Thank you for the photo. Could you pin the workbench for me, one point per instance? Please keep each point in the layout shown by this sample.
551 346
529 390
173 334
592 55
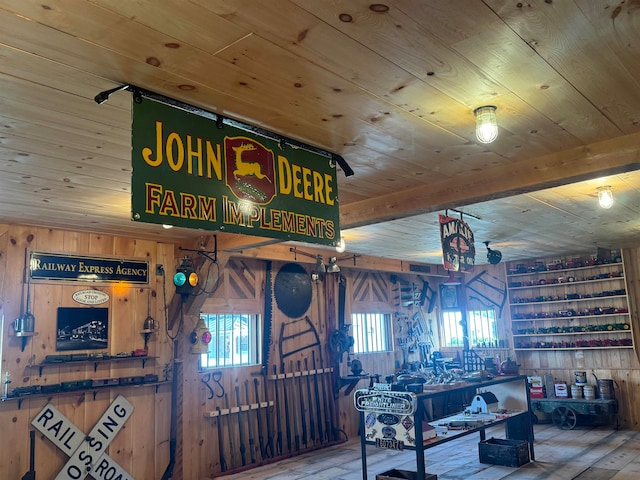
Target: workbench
511 391
565 411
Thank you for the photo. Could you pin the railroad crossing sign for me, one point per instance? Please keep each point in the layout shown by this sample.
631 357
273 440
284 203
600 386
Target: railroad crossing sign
86 452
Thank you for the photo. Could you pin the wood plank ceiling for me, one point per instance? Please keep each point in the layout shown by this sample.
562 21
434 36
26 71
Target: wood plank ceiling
391 87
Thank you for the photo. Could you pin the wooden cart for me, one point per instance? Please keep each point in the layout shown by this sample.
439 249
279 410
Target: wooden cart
565 411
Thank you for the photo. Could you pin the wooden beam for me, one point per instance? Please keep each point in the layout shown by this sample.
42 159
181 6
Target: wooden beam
604 158
282 252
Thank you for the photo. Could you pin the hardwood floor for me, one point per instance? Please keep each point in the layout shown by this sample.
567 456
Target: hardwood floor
584 453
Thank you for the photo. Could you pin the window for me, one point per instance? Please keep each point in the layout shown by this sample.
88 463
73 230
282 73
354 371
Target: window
371 332
482 328
235 339
451 328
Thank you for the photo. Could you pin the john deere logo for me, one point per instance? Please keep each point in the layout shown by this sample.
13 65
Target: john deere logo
250 169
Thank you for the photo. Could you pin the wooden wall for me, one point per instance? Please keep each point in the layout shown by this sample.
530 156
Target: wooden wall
143 447
146 434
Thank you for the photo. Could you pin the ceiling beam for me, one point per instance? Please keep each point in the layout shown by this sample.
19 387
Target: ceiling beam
604 158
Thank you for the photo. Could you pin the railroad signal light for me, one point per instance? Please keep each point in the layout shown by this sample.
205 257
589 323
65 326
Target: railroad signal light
200 338
186 278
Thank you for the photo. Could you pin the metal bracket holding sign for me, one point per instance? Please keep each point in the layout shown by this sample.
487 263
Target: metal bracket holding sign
86 452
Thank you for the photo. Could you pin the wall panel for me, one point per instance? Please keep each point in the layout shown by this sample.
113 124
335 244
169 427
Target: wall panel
146 432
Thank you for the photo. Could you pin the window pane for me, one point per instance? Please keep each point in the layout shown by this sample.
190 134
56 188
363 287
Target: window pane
371 332
235 339
483 328
451 329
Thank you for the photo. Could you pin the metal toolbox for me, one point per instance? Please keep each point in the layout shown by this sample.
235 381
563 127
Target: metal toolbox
509 453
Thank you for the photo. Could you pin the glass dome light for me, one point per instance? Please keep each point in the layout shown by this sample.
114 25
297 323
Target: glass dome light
486 123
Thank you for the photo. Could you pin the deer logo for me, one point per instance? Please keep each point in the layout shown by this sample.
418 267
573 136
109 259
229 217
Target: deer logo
245 169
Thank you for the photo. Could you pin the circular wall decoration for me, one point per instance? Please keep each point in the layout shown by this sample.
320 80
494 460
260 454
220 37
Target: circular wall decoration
292 290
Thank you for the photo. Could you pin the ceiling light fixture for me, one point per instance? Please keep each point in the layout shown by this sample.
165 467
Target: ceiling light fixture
486 123
605 196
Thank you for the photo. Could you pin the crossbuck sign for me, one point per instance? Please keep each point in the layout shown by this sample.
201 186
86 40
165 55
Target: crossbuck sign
86 452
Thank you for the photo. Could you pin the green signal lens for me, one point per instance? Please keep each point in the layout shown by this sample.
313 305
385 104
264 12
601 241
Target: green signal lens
179 279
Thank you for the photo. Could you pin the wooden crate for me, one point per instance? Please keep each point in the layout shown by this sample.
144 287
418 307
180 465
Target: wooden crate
509 453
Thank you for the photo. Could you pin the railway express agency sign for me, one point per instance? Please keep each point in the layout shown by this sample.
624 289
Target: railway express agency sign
86 452
190 171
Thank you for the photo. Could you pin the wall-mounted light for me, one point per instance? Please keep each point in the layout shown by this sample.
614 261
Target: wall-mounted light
486 123
333 265
341 247
605 196
493 256
318 270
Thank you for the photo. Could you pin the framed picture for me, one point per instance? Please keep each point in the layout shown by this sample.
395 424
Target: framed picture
82 328
449 297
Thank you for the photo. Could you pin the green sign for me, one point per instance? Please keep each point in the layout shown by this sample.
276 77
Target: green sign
188 172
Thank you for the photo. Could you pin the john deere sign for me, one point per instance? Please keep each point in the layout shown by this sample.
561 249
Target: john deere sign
190 173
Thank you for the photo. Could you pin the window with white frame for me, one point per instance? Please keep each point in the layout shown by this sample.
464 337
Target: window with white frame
482 328
235 340
371 332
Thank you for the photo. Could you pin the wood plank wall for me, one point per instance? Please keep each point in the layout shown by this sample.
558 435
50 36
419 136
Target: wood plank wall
142 448
148 428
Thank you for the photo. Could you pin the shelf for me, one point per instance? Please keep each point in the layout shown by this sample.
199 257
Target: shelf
561 284
24 336
95 361
573 269
242 408
569 333
591 284
584 299
493 349
533 349
95 391
575 317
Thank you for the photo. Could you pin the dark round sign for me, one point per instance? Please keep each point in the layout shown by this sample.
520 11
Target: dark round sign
292 290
